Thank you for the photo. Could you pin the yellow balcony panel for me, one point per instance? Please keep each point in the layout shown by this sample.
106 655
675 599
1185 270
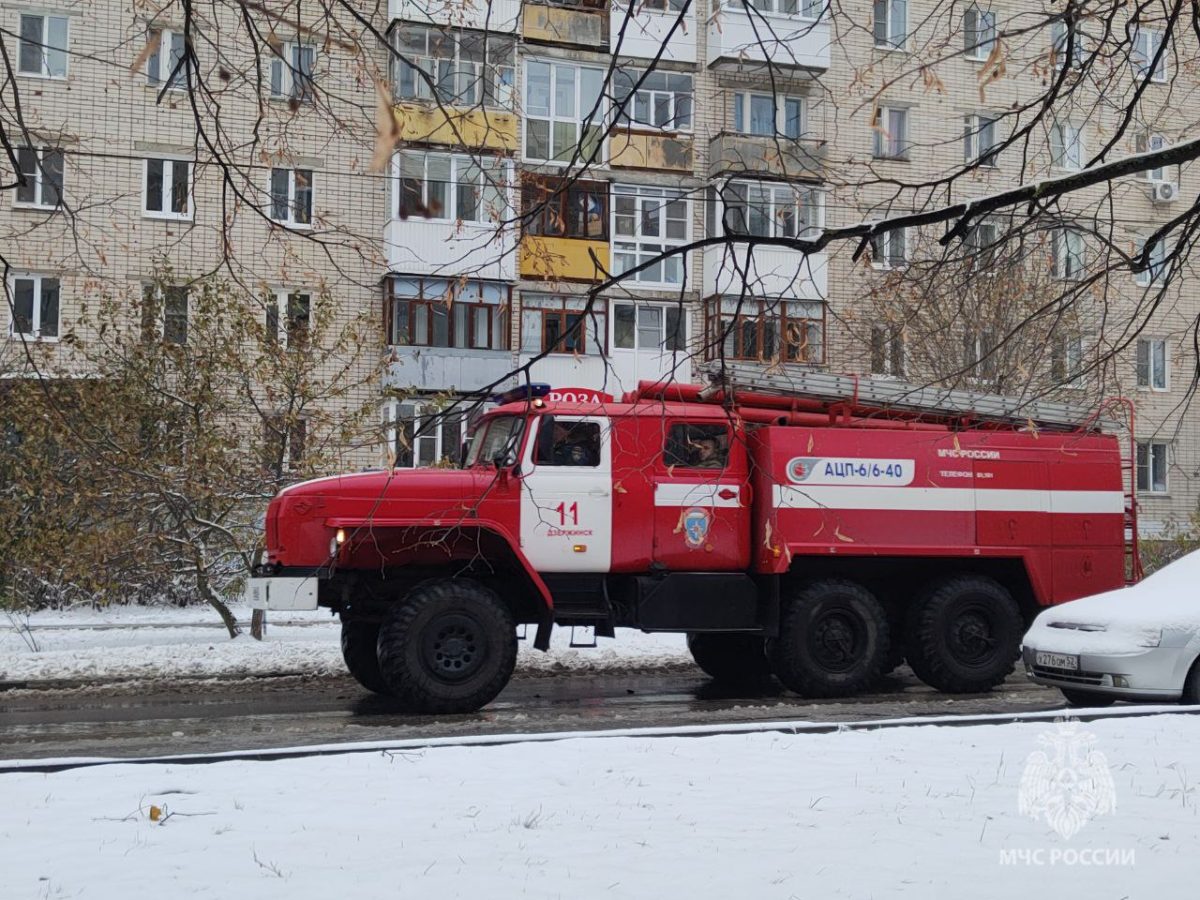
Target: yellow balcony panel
639 150
566 259
557 25
476 128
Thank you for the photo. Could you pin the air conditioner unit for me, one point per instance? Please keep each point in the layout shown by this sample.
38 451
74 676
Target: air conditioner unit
1164 192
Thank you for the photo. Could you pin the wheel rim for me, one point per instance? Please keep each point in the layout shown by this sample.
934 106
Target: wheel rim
971 634
837 639
453 647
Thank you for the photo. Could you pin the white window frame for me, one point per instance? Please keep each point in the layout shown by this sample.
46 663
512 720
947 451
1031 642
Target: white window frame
1066 360
979 246
1156 273
772 200
1144 45
886 143
278 324
664 334
808 10
979 32
652 97
1069 254
650 206
424 409
159 65
1147 143
886 37
285 64
887 351
38 176
979 353
1148 454
889 249
449 70
554 117
1153 369
491 186
36 330
167 196
1067 147
1058 45
44 47
740 114
980 142
291 221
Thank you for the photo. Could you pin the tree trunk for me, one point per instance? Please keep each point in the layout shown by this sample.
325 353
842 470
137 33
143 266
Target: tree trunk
218 604
258 624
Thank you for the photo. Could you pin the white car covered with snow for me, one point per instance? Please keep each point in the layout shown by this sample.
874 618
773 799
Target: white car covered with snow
1138 643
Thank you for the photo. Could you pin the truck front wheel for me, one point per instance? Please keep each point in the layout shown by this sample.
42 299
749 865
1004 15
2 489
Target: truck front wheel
449 647
738 660
964 634
359 642
833 639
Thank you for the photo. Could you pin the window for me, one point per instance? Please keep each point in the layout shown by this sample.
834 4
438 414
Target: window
979 32
1066 147
292 73
1152 364
1153 143
890 127
458 68
425 435
578 211
767 330
449 312
1060 34
768 115
450 188
694 446
642 326
979 140
891 24
496 441
887 350
288 318
1066 360
168 189
291 196
889 249
42 177
661 5
1152 467
662 100
43 46
1068 254
1147 43
283 443
981 245
35 307
763 209
563 442
564 111
562 325
805 9
175 315
1156 272
163 66
979 356
646 223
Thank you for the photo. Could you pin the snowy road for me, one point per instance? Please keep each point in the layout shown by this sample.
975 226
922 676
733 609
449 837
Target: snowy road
199 717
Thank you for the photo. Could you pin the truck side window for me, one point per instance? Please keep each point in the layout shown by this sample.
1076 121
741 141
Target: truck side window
697 447
567 443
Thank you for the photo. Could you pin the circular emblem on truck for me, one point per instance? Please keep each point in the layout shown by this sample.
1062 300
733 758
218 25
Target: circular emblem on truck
695 526
797 469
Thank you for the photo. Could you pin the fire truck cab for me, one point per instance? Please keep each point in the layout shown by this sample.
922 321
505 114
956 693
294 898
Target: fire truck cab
786 534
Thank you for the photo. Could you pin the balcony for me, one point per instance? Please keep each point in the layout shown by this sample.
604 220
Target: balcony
491 15
446 368
583 24
420 246
647 31
475 128
736 41
562 259
650 150
780 157
765 272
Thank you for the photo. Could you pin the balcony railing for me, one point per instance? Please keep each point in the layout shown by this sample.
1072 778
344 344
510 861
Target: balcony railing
778 156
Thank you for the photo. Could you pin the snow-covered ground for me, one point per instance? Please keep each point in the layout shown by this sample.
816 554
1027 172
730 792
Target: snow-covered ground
923 812
164 643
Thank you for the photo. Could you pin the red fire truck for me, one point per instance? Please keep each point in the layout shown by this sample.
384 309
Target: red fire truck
819 528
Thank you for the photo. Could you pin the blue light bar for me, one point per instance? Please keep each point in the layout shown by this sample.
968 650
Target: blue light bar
524 392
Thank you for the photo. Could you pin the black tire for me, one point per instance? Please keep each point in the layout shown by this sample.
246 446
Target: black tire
1076 697
1191 686
359 642
964 635
449 647
735 659
833 639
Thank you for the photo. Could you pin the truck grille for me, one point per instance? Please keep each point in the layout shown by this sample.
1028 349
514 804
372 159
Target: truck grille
1071 675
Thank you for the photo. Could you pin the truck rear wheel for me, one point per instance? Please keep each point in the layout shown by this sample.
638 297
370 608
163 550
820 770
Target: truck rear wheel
731 658
964 635
359 642
449 647
833 639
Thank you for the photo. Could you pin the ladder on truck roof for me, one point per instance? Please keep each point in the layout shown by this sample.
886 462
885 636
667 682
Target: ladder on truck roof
864 396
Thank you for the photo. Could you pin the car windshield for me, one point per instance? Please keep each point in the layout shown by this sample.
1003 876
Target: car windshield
496 437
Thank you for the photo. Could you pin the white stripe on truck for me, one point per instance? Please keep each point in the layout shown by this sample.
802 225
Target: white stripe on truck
707 494
934 499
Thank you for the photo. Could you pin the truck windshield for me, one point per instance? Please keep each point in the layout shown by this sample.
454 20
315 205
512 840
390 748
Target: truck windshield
496 438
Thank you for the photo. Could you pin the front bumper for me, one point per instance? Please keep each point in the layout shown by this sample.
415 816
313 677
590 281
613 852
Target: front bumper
1150 674
282 592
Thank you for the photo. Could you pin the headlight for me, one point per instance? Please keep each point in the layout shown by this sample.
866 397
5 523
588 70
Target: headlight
1150 638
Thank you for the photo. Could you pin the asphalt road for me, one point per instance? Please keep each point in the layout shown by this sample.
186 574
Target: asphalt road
131 720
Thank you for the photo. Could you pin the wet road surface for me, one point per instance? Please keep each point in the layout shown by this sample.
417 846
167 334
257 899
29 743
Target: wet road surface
131 720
